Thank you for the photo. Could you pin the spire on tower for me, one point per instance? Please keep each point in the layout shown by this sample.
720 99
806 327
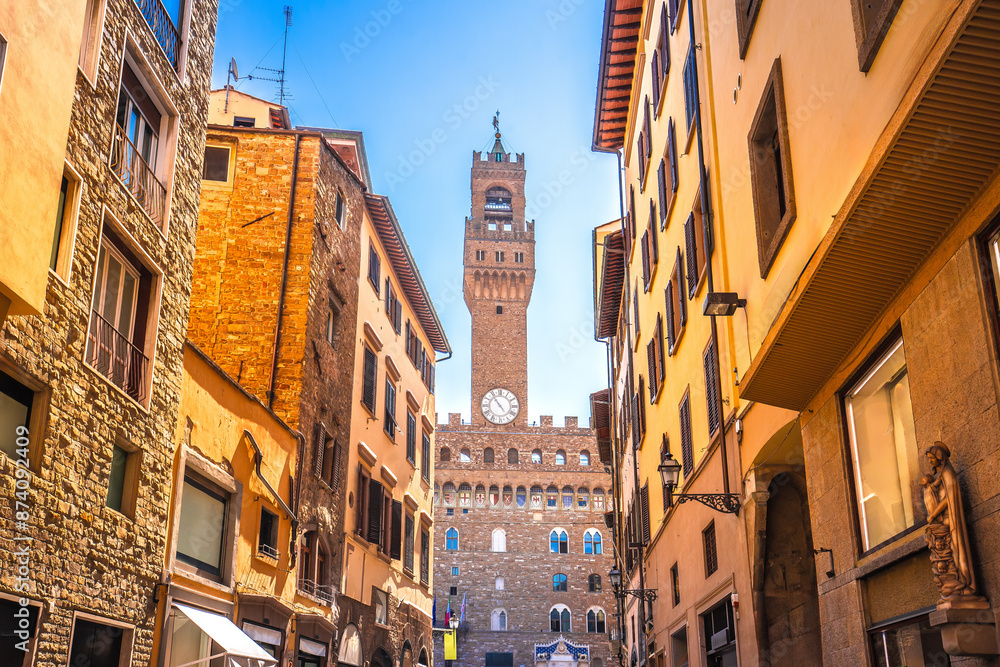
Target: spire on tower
499 153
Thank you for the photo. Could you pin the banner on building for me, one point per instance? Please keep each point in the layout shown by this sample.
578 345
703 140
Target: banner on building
451 645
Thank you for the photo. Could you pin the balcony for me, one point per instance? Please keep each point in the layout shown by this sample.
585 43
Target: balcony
322 593
138 176
497 205
163 28
116 358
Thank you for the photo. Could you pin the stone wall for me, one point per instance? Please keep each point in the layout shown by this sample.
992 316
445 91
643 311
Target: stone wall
84 556
527 566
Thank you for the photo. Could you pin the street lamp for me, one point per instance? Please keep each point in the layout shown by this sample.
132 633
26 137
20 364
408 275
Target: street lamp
723 304
646 594
670 472
453 622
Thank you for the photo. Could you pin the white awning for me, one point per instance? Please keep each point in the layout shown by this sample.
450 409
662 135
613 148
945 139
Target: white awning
235 644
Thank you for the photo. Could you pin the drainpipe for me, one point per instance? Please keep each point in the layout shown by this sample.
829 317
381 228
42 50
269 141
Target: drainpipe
706 223
258 457
284 276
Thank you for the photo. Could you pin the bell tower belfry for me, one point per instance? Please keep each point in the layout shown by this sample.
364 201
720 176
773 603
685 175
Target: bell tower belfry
499 273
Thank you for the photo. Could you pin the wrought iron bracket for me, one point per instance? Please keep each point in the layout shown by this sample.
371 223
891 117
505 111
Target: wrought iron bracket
644 594
727 503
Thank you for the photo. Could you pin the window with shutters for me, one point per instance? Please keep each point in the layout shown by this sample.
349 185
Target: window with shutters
646 260
411 437
872 19
369 379
676 305
394 528
361 508
425 456
711 360
694 249
711 551
687 446
635 314
408 544
675 585
661 189
651 365
746 17
655 362
690 90
374 267
425 557
644 513
641 408
771 171
630 221
329 458
675 10
663 48
645 145
654 242
390 408
671 161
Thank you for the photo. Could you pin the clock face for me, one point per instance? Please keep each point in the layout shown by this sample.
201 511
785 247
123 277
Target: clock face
500 406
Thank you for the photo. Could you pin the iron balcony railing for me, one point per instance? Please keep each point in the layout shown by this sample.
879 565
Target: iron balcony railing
116 358
268 550
137 176
163 28
322 593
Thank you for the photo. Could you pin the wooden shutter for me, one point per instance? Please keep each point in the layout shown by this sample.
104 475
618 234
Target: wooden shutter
396 546
712 387
672 154
385 544
640 147
661 366
644 247
681 302
647 128
654 244
651 363
642 406
635 420
687 447
375 500
644 505
320 447
635 311
631 210
338 455
674 11
668 297
361 515
368 386
661 184
664 43
691 249
655 68
388 297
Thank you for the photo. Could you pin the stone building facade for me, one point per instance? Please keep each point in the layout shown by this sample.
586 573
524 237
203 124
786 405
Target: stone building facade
520 539
95 379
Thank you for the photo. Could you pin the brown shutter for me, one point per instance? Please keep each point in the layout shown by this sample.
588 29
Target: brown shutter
644 247
635 420
655 67
640 148
712 387
661 184
644 504
687 447
654 245
664 42
338 454
368 386
361 515
635 310
631 211
647 128
668 297
661 366
320 447
395 546
409 340
642 406
375 500
691 249
672 154
681 302
388 297
651 363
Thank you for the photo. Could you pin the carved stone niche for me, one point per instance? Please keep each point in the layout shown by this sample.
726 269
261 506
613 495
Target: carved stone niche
964 617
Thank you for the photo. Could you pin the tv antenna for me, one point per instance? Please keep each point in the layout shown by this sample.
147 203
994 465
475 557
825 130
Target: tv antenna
280 78
232 75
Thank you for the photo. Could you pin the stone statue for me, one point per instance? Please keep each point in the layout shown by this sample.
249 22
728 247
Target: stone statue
946 533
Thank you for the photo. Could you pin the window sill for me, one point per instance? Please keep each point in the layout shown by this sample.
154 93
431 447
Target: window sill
677 341
116 389
370 411
266 559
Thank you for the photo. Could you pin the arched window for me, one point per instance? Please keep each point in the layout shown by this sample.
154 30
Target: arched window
597 500
596 621
582 499
498 583
451 540
536 497
536 456
499 540
498 620
552 497
592 541
521 496
560 457
594 583
559 583
559 619
480 495
422 660
465 495
585 458
567 498
488 455
445 455
350 646
512 456
464 456
559 541
494 496
508 496
448 494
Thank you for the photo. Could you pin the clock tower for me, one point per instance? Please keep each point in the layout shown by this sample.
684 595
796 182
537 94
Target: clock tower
499 273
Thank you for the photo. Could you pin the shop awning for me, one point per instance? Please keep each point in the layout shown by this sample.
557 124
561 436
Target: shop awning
236 645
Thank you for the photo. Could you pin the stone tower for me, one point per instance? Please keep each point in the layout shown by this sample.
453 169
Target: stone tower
499 273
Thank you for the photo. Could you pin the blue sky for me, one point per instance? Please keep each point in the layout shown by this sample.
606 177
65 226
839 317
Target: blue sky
422 81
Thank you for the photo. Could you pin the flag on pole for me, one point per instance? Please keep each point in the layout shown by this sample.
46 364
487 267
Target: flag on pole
447 614
434 612
461 618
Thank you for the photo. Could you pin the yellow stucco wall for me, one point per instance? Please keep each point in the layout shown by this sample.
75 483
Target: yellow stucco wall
37 83
364 567
240 104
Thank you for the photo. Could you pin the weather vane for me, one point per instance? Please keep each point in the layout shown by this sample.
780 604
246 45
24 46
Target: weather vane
496 121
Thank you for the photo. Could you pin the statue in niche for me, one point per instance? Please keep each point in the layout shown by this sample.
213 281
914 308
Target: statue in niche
946 533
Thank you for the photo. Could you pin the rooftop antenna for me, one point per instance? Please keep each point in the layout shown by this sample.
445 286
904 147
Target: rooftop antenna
232 75
280 80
